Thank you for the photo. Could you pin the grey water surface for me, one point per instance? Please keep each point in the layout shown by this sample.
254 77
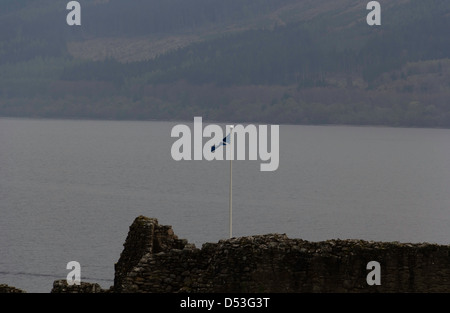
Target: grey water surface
70 189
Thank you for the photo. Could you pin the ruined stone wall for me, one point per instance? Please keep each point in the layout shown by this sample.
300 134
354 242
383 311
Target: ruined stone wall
9 289
155 260
145 239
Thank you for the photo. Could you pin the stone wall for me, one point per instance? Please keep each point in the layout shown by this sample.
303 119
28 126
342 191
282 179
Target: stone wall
9 289
155 260
145 239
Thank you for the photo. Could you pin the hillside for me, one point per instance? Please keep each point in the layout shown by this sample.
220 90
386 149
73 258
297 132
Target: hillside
290 61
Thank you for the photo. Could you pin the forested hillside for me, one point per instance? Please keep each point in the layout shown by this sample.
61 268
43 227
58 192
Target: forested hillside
290 61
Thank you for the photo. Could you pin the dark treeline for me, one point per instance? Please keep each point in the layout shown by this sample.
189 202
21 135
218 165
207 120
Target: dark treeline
286 55
38 28
30 29
327 70
293 54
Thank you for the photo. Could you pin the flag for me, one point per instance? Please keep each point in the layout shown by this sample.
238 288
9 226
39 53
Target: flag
224 142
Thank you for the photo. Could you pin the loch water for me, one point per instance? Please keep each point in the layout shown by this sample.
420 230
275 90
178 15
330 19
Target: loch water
70 189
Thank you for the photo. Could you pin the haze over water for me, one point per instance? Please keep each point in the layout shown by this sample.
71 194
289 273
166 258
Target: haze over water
69 190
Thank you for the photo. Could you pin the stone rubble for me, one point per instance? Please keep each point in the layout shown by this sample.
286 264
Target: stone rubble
9 289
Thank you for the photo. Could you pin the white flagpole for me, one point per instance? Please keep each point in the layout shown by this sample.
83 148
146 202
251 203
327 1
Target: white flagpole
231 182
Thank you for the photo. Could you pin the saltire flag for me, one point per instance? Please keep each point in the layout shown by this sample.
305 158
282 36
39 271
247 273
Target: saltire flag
224 142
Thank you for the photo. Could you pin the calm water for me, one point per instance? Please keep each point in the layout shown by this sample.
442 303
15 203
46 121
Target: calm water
69 190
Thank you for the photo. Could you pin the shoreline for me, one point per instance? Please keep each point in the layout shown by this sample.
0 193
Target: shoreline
178 121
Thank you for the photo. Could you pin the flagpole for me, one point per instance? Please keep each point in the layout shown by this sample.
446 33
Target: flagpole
231 182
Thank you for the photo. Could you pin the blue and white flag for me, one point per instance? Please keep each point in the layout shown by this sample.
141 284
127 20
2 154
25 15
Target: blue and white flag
224 142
